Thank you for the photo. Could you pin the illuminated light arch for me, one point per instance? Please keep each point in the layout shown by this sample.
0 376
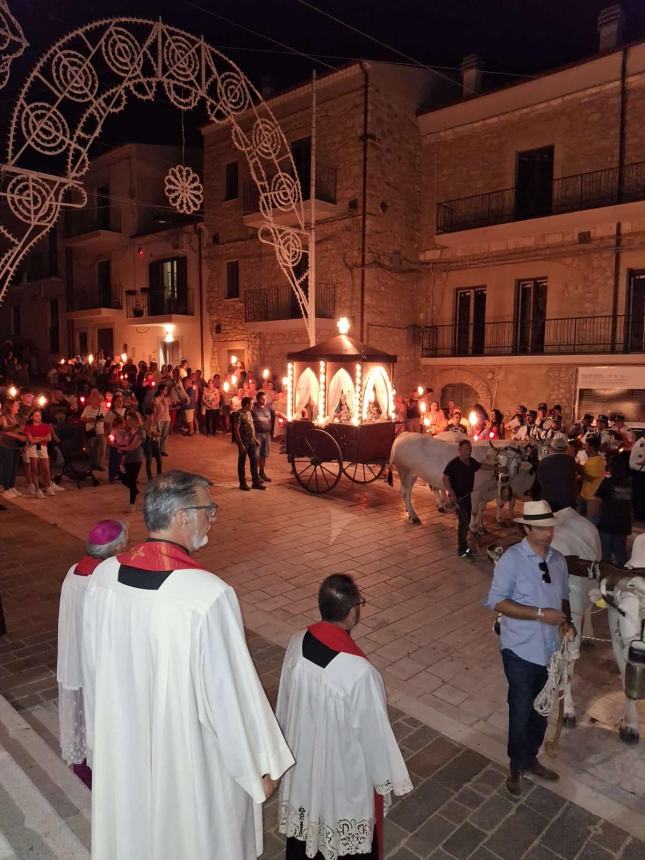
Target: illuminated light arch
375 376
12 42
88 76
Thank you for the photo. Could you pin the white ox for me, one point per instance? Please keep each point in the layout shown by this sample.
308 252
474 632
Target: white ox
418 455
516 477
575 535
637 455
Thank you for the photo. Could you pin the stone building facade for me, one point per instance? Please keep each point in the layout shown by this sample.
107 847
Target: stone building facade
366 256
532 237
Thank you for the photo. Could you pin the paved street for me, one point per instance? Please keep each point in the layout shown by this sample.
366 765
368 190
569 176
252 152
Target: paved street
423 627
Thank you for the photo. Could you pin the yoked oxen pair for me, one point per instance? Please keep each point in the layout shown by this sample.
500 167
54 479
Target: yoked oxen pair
418 455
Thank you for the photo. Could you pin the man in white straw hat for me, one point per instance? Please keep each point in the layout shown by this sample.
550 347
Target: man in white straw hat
530 590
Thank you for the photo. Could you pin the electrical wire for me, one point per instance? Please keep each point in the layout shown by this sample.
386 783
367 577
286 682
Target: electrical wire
256 33
382 44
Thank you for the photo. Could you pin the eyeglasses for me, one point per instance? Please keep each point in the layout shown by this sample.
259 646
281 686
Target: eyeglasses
211 509
546 576
361 602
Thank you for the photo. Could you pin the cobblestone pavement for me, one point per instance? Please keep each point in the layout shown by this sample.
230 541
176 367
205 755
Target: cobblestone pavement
423 626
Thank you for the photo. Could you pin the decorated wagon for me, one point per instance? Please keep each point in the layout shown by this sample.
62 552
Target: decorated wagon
340 411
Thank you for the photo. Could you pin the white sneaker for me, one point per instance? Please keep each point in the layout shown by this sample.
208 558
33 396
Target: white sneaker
50 491
31 490
131 508
40 494
10 494
57 488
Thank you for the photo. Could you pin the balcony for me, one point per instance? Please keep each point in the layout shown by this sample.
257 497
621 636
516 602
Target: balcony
563 336
92 303
325 200
94 228
581 192
157 307
279 303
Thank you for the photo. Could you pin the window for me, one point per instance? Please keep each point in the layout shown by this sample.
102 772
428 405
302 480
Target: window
301 153
16 322
534 183
231 181
168 283
82 343
104 284
530 318
54 326
233 279
470 321
635 317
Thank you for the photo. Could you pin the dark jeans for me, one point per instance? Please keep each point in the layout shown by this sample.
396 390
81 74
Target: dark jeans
464 510
130 479
296 851
526 728
9 458
153 452
250 451
114 458
212 418
613 544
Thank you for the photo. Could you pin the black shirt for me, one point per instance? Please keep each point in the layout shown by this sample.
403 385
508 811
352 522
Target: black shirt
462 475
616 506
557 479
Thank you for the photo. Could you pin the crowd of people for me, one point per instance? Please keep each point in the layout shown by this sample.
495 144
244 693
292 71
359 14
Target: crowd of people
121 415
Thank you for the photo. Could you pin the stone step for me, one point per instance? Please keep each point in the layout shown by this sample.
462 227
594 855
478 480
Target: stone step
45 809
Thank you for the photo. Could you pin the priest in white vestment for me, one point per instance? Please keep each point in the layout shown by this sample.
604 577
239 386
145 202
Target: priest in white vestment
185 745
333 712
105 539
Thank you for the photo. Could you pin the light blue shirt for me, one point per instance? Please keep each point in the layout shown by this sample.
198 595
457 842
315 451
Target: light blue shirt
517 577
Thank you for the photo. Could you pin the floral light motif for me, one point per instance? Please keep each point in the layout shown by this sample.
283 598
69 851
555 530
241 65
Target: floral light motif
12 41
89 75
183 189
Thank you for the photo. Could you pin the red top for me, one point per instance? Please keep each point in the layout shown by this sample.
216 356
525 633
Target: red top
87 565
38 431
154 554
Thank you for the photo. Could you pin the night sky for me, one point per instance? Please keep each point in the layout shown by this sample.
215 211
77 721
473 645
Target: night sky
515 38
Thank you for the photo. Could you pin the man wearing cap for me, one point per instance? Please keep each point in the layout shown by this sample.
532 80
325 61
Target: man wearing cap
528 431
518 420
106 539
602 428
556 475
620 429
530 589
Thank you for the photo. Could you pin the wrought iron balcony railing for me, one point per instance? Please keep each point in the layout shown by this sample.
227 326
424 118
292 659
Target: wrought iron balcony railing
280 303
157 303
78 222
325 189
563 336
568 194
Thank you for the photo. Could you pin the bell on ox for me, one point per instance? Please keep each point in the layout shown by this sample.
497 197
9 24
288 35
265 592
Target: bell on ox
635 670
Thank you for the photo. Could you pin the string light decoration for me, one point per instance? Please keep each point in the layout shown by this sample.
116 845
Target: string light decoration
290 391
12 42
322 388
183 189
89 75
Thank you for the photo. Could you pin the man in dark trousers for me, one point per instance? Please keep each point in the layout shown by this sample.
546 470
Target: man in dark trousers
530 589
459 480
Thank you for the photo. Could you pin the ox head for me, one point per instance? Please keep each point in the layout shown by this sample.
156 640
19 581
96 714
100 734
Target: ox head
637 455
509 462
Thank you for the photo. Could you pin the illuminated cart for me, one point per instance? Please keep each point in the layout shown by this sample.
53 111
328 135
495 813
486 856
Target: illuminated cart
340 410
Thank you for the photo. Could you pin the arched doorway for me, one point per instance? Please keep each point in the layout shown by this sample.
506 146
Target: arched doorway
89 75
463 395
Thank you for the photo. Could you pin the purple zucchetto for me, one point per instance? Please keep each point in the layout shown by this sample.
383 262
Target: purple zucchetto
105 531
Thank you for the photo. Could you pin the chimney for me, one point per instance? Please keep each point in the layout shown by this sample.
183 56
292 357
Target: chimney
471 75
610 26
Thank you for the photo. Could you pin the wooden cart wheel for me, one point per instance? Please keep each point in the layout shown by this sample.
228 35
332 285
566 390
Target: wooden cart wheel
319 469
363 473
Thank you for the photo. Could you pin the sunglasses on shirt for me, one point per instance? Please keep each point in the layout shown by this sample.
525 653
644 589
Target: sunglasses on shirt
546 576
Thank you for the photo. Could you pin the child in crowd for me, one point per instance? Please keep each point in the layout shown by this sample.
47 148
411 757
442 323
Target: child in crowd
151 447
38 436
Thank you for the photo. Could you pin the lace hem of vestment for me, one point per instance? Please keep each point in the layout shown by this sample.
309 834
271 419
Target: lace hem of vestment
347 836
